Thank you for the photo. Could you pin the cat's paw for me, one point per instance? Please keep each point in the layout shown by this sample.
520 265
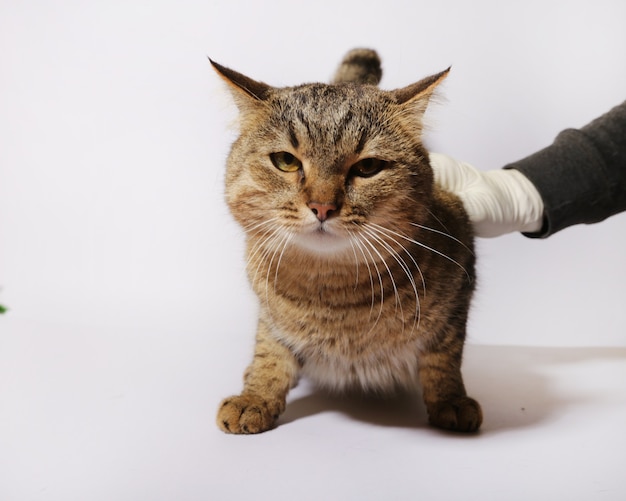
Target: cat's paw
244 414
460 414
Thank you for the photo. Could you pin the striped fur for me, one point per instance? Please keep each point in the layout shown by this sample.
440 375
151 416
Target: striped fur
363 267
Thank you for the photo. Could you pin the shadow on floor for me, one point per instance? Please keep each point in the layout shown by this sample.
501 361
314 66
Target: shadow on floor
515 386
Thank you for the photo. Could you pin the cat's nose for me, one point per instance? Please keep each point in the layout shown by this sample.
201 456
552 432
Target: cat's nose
322 211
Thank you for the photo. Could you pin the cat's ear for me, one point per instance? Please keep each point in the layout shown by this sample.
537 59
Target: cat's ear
247 93
415 97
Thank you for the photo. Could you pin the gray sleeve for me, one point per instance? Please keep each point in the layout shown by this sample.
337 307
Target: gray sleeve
581 177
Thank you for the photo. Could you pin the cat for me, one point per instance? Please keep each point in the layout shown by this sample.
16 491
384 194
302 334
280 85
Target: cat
363 267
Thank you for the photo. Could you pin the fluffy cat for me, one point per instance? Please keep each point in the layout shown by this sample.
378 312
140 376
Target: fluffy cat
363 267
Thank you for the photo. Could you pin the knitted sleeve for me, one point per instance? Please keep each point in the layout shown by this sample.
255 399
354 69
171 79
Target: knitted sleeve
581 177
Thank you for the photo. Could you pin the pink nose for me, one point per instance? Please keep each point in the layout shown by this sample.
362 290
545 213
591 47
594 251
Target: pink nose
322 211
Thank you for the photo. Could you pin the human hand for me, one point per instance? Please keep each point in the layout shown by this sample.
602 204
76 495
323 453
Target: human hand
497 202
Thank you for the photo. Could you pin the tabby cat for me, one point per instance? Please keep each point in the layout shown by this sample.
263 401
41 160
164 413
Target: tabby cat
363 267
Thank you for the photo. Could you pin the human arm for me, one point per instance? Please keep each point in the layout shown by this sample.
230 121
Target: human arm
580 178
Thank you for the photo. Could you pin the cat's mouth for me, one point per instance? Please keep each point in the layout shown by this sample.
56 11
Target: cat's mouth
322 239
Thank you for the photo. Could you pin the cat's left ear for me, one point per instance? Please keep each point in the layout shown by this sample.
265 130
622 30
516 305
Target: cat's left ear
247 93
415 97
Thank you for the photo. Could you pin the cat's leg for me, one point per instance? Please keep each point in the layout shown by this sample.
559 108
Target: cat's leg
446 401
267 380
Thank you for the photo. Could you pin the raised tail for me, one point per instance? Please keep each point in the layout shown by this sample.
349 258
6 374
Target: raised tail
360 66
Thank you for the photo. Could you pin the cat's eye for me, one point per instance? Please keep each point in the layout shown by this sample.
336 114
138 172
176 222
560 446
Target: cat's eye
285 161
368 167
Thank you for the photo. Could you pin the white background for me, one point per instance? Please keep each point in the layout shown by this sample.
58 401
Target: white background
130 316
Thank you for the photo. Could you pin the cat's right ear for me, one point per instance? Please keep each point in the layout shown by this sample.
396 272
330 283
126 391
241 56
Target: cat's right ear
247 93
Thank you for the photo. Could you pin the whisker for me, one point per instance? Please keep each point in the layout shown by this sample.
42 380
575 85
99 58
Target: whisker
354 240
438 220
416 242
249 228
444 233
356 260
363 248
381 230
378 235
265 247
393 282
260 241
280 257
278 248
386 232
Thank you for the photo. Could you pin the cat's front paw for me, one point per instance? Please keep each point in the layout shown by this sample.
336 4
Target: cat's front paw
460 414
244 414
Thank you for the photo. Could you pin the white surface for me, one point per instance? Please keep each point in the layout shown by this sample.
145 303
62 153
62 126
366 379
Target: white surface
130 314
128 414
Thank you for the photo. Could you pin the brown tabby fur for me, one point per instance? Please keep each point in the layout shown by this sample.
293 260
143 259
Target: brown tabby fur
364 282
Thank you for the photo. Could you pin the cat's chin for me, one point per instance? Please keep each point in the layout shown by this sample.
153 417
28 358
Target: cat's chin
323 243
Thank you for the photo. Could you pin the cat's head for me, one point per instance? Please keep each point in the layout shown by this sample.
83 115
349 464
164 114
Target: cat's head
318 164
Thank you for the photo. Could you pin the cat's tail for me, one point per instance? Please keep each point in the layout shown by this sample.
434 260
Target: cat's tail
360 66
